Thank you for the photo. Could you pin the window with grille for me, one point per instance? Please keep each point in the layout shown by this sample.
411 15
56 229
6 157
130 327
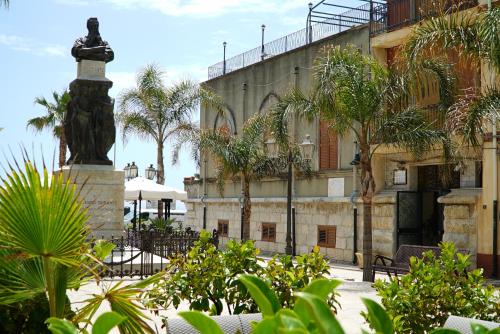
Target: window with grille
268 232
328 147
223 227
327 236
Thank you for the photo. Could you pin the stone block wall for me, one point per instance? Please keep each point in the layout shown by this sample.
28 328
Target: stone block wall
461 213
384 224
310 213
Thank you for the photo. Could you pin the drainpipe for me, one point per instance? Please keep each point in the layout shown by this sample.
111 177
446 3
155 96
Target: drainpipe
495 185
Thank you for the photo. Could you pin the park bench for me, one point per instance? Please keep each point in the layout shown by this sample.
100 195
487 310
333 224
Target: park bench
400 264
230 324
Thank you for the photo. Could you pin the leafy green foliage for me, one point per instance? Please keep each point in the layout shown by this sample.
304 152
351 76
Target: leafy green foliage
42 239
201 322
28 316
208 278
126 301
102 325
436 288
287 277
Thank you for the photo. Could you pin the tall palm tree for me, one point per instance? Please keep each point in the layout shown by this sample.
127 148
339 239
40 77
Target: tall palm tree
153 111
354 93
54 119
243 157
476 36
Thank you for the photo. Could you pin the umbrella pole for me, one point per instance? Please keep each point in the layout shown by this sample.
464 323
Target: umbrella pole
134 224
140 202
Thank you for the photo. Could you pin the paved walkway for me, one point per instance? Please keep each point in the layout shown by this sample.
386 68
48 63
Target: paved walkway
350 292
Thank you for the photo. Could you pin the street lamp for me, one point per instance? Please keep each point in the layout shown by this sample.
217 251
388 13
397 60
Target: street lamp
133 171
224 63
307 148
272 147
262 51
150 172
126 169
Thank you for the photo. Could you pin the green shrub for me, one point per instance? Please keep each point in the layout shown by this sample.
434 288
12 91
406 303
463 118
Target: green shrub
286 277
208 278
435 288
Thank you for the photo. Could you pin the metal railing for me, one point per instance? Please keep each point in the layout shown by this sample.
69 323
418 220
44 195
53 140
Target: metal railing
334 24
399 13
146 252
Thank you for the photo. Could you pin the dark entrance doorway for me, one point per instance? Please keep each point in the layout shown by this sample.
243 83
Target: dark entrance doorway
419 216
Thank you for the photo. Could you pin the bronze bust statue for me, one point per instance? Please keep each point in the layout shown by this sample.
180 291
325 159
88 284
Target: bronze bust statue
92 46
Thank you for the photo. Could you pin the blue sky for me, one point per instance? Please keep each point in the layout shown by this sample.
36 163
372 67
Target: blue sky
182 36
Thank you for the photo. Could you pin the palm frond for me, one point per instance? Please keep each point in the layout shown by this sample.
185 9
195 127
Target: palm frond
407 129
138 124
468 115
42 236
124 300
475 35
187 134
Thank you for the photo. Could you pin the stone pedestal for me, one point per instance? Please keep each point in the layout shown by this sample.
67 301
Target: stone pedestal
102 188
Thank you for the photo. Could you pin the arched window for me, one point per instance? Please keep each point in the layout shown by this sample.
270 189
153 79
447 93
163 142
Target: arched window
226 122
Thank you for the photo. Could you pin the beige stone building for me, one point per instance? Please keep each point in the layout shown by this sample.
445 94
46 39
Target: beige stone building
411 206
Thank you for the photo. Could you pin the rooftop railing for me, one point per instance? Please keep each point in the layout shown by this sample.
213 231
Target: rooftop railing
333 24
399 13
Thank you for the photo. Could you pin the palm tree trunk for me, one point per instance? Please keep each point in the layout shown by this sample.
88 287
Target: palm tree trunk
367 190
247 208
160 173
62 148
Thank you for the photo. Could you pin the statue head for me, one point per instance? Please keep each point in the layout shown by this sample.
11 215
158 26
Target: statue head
93 26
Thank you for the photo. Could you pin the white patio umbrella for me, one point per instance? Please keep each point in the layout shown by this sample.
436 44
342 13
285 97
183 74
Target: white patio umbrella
151 190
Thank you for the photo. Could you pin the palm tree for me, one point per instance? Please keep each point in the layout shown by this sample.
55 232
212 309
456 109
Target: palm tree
153 111
353 92
243 157
54 119
475 35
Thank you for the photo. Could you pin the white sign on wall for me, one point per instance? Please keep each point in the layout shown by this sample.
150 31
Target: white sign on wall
336 187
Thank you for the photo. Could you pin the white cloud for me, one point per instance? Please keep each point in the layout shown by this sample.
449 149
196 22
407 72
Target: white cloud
202 8
23 44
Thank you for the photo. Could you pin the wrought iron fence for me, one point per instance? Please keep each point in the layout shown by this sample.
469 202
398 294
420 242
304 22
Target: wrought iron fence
145 252
335 24
398 13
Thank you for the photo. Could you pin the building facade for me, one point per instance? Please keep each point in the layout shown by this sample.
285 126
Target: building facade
412 205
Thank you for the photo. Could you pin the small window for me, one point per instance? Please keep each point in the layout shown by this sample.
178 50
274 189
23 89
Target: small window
327 236
269 232
223 227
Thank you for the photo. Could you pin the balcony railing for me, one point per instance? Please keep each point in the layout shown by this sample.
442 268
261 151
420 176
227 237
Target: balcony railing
399 13
335 24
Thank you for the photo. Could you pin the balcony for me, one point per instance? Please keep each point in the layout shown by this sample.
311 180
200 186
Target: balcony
396 14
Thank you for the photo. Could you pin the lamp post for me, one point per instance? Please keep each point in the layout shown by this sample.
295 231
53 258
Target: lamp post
150 172
262 53
224 62
306 148
355 163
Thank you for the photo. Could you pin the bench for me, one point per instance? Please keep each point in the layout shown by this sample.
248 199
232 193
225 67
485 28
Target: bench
401 262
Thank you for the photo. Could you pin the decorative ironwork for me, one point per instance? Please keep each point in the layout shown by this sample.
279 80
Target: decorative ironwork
146 252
